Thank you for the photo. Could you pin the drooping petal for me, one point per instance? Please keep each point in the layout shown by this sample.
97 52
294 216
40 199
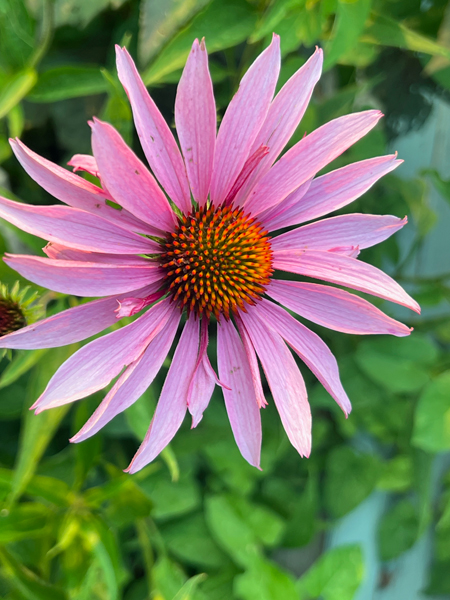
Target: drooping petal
330 192
128 179
96 364
75 228
240 400
358 230
156 138
345 271
71 325
312 350
334 308
284 379
308 156
172 403
243 119
84 162
64 253
73 189
252 363
134 381
285 113
195 118
203 382
81 278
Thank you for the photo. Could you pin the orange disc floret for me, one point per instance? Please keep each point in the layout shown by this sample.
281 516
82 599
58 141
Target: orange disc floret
217 260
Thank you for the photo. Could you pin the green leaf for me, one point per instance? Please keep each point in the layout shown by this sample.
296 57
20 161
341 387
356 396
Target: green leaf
81 12
189 541
38 430
17 38
61 83
398 530
382 362
29 585
388 32
223 24
230 530
397 474
48 488
442 185
349 479
171 499
265 581
275 13
159 21
336 575
167 579
25 521
16 88
23 361
432 417
188 589
350 20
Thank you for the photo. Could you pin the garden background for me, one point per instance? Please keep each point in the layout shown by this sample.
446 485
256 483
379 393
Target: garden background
368 515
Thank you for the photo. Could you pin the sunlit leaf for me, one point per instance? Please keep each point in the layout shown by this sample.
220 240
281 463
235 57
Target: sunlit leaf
61 83
16 88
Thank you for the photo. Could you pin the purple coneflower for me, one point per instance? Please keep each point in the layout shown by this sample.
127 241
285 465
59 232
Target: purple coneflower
205 249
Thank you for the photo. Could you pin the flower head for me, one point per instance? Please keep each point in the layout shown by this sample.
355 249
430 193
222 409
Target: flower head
209 254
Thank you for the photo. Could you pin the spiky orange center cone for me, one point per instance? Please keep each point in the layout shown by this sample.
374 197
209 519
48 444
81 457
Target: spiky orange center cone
217 260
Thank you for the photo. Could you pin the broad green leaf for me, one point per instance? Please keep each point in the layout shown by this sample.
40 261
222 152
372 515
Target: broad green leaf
397 369
17 37
266 525
223 24
397 474
270 20
23 361
188 589
38 430
189 541
432 417
167 579
16 88
27 583
398 531
349 23
81 12
439 580
336 575
61 83
388 32
230 530
24 521
265 581
349 479
171 499
159 21
48 488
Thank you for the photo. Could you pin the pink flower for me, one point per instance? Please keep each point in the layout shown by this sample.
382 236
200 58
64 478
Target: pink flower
214 256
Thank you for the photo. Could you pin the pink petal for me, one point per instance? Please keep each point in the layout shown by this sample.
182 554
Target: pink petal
73 189
203 382
310 348
342 231
128 307
243 119
240 400
332 191
156 138
334 308
308 156
248 169
96 364
252 363
195 118
81 278
64 253
69 326
345 271
128 179
275 217
172 404
285 381
84 162
75 228
134 381
285 113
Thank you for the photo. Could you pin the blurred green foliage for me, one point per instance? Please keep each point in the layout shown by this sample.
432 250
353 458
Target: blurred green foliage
200 523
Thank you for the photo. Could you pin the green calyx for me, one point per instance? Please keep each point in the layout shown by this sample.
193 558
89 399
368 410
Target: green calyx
18 308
